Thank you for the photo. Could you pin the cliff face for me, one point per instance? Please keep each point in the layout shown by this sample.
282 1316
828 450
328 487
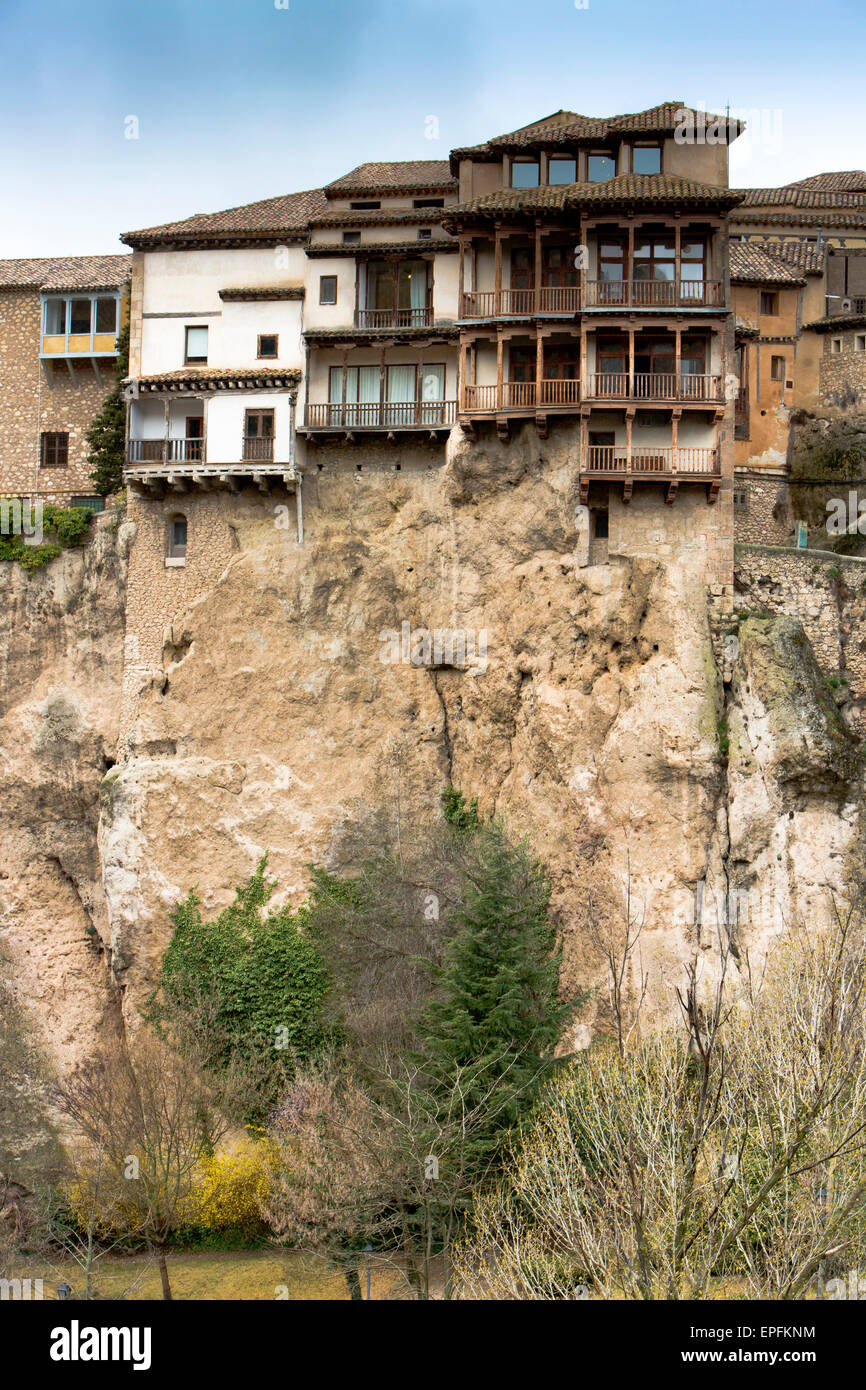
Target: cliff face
593 716
62 666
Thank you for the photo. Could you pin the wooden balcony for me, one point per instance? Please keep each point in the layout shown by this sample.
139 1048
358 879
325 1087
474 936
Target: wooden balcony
165 451
657 386
258 449
649 460
653 294
347 416
394 318
493 304
517 396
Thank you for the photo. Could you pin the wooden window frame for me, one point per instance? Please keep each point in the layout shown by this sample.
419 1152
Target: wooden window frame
260 412
647 145
515 162
773 297
562 159
327 279
194 361
428 202
351 238
368 205
778 367
54 449
599 154
268 356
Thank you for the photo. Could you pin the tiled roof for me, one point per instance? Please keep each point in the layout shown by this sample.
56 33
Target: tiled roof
256 292
845 181
274 217
392 175
805 255
751 264
320 249
646 189
566 127
854 220
829 322
66 273
794 195
214 377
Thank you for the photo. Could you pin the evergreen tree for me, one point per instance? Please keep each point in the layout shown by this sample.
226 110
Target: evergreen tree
498 1015
106 438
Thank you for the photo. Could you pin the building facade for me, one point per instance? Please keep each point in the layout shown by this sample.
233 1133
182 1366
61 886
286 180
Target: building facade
59 322
569 278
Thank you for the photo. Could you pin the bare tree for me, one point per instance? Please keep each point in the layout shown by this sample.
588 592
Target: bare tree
730 1148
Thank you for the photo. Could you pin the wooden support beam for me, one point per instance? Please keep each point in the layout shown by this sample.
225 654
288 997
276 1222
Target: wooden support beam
671 492
497 267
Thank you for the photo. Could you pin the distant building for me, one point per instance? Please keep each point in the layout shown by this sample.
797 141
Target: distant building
59 321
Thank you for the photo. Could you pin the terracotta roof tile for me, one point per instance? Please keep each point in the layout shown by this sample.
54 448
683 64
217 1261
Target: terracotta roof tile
275 217
752 264
647 189
66 273
795 195
392 174
566 127
845 181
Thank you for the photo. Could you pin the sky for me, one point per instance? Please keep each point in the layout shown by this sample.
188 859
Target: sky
120 114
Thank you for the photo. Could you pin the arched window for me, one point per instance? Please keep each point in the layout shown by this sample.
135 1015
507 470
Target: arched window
176 544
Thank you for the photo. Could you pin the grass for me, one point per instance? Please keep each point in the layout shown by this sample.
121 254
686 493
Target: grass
216 1275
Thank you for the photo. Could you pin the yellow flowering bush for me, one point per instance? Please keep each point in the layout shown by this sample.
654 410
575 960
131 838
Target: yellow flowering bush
229 1188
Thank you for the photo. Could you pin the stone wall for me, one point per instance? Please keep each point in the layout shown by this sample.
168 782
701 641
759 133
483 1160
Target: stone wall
34 400
827 593
762 508
842 370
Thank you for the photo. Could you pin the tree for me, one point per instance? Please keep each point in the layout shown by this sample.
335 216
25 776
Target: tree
144 1122
733 1148
106 438
498 987
246 990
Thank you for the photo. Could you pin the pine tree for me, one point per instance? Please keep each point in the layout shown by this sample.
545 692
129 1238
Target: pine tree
106 438
498 1014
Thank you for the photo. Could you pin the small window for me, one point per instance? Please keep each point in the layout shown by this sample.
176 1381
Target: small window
769 302
562 171
424 234
836 345
106 316
524 173
80 311
600 167
646 159
351 238
268 345
55 449
365 207
195 348
428 202
860 342
777 369
327 289
55 317
176 552
741 497
93 504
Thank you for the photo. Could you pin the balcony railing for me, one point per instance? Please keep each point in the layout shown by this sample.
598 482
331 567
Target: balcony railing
376 415
652 294
258 448
166 451
393 318
646 459
521 395
492 304
654 386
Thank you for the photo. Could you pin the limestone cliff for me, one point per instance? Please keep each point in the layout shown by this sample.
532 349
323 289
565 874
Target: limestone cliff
277 695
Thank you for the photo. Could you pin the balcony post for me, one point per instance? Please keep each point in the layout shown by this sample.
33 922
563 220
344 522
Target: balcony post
583 377
584 256
462 392
537 270
381 385
678 385
461 272
498 368
677 264
631 364
166 407
539 363
629 416
497 264
675 422
628 287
